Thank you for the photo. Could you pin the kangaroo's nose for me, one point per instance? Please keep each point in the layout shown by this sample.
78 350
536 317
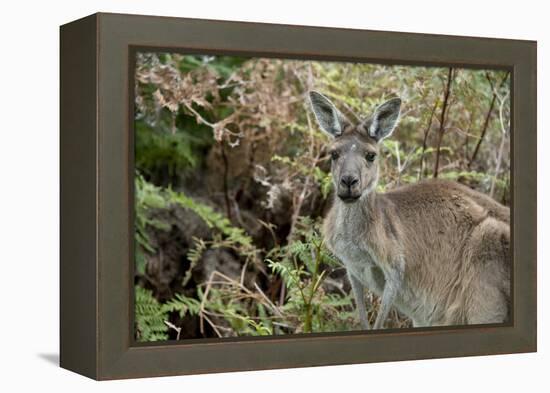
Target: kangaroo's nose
349 181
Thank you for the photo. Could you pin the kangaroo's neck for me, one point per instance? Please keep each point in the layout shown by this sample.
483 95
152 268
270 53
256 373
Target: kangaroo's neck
364 208
372 217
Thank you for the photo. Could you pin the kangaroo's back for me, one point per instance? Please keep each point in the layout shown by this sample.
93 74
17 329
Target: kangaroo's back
450 188
456 242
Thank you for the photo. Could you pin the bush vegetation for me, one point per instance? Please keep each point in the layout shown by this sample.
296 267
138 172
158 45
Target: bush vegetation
232 182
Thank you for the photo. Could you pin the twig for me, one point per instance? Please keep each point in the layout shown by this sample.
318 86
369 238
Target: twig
203 301
399 169
243 271
228 329
269 227
282 293
349 110
425 140
226 181
408 160
258 296
483 131
212 324
504 131
442 120
273 306
172 326
487 116
298 202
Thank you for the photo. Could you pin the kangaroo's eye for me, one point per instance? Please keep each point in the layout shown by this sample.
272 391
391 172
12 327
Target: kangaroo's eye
370 157
334 155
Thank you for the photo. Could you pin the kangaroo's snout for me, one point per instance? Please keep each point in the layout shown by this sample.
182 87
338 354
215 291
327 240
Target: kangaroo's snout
348 189
349 181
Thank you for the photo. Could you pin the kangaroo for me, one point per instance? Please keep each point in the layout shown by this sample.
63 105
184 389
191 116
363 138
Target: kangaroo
435 250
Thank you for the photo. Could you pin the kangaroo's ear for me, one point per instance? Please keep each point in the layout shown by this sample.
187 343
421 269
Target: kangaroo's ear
385 119
329 118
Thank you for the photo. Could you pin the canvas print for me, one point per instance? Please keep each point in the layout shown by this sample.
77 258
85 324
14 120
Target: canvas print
281 196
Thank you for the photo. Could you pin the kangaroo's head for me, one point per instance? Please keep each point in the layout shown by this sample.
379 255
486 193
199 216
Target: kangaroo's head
354 147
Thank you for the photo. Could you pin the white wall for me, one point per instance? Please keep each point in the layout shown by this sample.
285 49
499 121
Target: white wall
29 198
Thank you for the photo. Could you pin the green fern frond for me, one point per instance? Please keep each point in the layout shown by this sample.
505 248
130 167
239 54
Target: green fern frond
149 316
183 305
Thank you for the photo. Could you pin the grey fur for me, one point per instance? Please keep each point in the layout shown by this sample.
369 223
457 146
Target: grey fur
385 119
331 120
436 250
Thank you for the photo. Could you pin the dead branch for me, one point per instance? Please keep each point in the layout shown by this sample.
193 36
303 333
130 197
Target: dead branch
504 132
442 120
425 140
226 181
487 116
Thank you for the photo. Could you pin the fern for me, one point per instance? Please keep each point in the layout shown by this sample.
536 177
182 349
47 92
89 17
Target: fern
212 218
183 305
194 255
258 327
303 265
150 316
231 236
149 197
290 275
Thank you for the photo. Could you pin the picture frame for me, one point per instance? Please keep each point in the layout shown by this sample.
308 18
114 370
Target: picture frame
96 170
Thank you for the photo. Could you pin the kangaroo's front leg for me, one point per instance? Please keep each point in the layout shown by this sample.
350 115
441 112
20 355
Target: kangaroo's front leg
394 283
359 295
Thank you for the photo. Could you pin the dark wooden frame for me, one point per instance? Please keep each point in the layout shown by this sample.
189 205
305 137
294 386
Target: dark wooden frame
97 195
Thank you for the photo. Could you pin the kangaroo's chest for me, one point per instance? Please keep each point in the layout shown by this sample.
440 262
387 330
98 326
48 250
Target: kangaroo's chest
359 259
355 257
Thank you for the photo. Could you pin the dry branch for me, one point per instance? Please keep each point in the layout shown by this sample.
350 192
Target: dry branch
425 139
487 116
442 119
